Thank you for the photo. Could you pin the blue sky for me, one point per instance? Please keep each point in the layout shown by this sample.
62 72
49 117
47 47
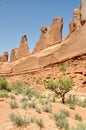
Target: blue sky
19 17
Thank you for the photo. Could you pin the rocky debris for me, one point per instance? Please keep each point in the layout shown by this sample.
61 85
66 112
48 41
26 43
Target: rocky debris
4 57
50 36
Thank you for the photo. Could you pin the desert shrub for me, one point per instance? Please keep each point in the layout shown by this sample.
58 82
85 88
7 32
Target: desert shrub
40 123
3 93
24 105
80 126
38 110
47 108
13 104
3 83
78 117
32 120
72 101
17 120
44 100
72 106
82 103
12 96
31 93
62 123
60 87
17 88
64 112
60 120
63 68
32 104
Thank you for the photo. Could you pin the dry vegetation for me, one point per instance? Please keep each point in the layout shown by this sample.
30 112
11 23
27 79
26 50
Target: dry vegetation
26 104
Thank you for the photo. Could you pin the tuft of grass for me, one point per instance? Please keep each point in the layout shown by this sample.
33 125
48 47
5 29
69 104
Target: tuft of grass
38 110
32 104
40 123
3 94
13 104
80 126
17 120
3 83
78 117
64 112
47 108
60 119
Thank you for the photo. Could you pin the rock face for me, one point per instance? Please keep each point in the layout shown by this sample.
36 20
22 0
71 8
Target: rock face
79 17
54 33
4 57
74 45
41 44
21 51
50 36
75 25
13 55
83 11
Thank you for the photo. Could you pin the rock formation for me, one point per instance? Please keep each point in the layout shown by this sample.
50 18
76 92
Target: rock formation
79 17
75 25
41 44
4 57
74 45
21 51
50 36
83 11
13 55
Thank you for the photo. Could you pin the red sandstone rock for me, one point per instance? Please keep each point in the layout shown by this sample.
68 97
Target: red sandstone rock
13 55
72 46
4 57
23 49
83 11
50 36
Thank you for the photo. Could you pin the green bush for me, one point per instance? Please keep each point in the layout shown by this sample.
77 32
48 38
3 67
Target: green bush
78 117
3 84
3 94
60 87
17 88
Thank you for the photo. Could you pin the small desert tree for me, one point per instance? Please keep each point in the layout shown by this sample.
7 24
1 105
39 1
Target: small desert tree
60 87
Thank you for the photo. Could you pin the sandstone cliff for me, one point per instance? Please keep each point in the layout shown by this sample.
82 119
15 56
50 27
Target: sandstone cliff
50 36
21 51
50 52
